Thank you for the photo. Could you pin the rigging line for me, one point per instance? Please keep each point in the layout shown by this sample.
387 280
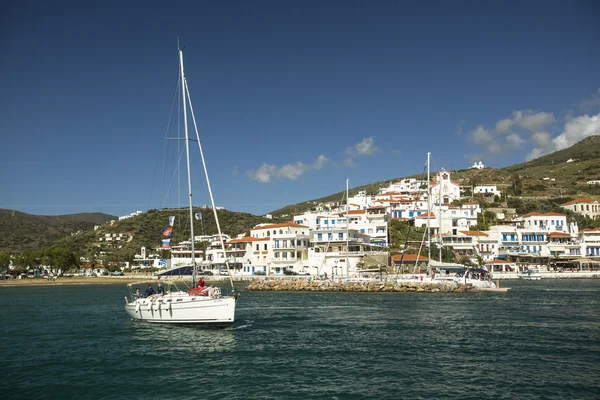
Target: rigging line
165 148
409 229
212 200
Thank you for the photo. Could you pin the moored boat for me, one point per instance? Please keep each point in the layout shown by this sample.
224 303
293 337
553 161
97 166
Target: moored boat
196 305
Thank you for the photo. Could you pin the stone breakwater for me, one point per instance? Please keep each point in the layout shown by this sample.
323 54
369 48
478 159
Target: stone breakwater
375 286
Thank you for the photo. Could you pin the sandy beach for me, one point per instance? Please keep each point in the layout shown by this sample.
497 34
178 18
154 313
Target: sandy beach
79 280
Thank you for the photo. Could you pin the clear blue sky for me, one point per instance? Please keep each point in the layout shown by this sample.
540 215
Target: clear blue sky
293 97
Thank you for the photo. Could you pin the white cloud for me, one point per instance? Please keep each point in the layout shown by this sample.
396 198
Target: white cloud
263 174
267 172
320 162
542 139
485 138
365 148
514 140
574 131
526 119
292 171
535 153
534 122
504 125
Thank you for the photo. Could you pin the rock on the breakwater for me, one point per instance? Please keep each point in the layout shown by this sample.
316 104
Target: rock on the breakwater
375 286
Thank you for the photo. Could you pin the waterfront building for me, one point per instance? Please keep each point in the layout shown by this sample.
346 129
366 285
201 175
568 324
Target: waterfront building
562 245
584 206
286 246
590 242
181 254
341 251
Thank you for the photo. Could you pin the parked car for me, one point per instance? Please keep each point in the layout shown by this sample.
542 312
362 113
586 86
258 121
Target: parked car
290 272
204 272
117 273
260 273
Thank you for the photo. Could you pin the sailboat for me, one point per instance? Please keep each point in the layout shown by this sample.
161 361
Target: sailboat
193 306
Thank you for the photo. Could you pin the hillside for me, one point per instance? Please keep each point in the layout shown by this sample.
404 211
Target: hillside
145 230
20 231
564 180
526 179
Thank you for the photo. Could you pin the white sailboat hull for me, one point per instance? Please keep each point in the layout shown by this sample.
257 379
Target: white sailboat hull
182 308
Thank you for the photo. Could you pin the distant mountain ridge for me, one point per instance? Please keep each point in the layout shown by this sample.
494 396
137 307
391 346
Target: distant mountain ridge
550 175
559 174
19 230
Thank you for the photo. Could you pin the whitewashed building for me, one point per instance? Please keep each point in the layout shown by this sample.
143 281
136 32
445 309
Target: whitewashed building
487 190
585 206
450 190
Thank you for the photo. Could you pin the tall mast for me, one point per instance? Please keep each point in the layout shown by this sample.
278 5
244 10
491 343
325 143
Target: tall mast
440 216
428 211
347 226
189 172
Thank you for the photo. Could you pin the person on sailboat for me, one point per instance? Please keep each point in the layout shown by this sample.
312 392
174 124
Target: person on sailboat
160 289
212 291
201 283
149 291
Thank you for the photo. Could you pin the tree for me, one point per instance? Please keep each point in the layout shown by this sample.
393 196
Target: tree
4 262
517 185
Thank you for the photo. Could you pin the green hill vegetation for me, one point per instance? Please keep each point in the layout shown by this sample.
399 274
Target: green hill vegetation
146 230
21 231
550 176
538 185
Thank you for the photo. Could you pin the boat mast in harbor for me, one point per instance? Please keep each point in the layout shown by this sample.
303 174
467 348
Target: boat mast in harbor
428 213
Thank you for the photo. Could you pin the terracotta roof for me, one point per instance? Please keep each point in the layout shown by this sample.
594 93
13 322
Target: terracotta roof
409 257
282 225
247 239
590 230
376 208
355 212
538 214
498 262
424 215
558 235
577 201
474 233
532 214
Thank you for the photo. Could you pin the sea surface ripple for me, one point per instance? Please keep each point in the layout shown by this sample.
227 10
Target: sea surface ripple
541 340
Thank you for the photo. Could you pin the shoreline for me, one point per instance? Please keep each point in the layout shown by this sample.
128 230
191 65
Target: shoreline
125 280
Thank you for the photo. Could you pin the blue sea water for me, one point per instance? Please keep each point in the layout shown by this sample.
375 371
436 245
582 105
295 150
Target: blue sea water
541 340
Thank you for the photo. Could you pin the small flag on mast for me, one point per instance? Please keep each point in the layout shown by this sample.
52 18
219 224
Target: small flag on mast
199 216
171 220
167 232
166 243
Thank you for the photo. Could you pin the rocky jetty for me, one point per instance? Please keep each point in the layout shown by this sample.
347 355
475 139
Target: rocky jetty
374 286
